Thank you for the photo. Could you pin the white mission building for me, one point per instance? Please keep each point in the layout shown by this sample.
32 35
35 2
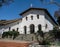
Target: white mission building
33 19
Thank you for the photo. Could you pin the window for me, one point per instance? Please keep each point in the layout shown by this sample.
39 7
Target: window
17 29
25 29
32 28
9 28
31 17
39 27
26 18
13 29
37 16
46 26
17 22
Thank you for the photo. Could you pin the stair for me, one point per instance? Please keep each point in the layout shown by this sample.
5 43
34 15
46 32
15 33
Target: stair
26 37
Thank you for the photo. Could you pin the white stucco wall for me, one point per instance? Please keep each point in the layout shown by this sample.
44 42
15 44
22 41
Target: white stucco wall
12 26
49 26
49 22
43 20
35 21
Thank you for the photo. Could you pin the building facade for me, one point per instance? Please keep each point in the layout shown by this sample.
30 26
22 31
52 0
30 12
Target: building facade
33 19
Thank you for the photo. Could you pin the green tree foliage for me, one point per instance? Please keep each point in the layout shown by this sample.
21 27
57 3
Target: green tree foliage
5 34
5 2
44 38
41 0
58 20
56 32
10 33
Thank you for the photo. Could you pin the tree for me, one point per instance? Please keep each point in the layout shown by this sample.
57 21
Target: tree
57 13
5 2
11 34
5 34
51 2
58 20
44 38
56 33
39 36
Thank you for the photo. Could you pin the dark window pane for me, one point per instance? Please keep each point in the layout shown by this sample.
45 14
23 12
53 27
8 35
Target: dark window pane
31 17
37 16
32 28
17 29
9 28
46 26
39 27
26 18
25 29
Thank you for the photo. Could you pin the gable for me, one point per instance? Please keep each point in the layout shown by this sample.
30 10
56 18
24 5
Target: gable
45 10
30 9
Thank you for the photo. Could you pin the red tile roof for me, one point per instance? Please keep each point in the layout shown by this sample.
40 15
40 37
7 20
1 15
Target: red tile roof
5 22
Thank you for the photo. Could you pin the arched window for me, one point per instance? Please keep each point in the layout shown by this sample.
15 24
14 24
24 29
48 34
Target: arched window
32 28
17 29
31 17
46 26
9 28
26 18
39 27
37 16
25 29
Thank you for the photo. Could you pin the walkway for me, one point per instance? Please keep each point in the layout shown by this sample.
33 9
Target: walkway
13 43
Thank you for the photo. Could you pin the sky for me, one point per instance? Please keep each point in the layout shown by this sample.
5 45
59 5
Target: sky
12 11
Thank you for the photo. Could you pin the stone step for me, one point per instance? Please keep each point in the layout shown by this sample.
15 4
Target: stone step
27 37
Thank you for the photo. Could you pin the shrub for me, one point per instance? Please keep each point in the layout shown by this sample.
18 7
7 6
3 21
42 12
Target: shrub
5 34
10 33
44 38
15 34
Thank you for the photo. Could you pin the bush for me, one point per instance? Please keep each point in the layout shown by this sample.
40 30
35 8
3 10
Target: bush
15 34
10 33
44 38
